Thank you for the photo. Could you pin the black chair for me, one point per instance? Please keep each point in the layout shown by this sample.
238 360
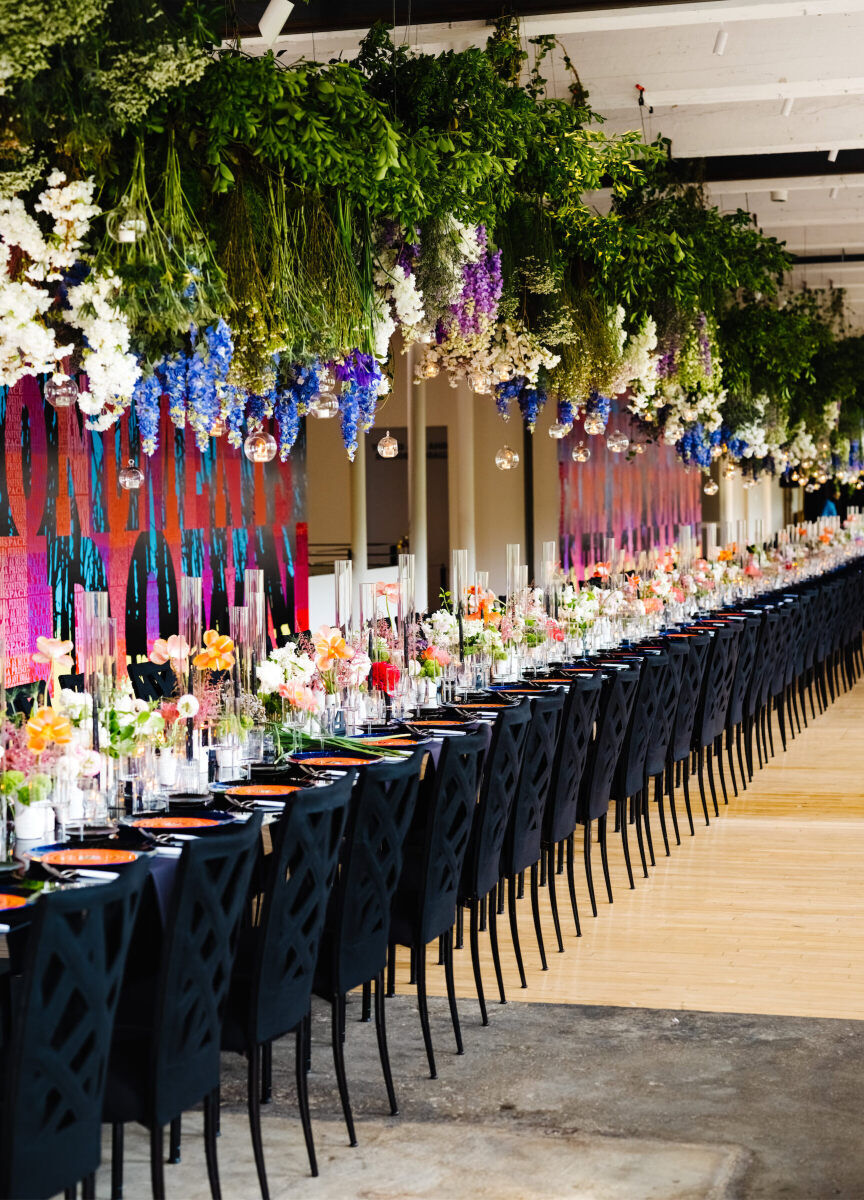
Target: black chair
357 927
424 905
271 984
571 756
613 718
165 1053
660 737
523 840
73 682
21 698
685 715
481 870
713 705
152 682
53 1071
744 668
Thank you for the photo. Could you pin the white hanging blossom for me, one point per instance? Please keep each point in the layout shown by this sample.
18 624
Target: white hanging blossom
112 370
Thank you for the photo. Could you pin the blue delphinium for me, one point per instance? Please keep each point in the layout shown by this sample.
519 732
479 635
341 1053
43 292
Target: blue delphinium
201 399
531 401
598 406
566 414
507 391
147 394
288 421
349 419
234 401
361 376
694 446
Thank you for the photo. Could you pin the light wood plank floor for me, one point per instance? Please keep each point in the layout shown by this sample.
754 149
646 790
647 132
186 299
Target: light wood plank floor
763 912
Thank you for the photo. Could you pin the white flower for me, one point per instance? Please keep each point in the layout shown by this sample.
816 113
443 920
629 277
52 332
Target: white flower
269 675
154 725
187 706
91 763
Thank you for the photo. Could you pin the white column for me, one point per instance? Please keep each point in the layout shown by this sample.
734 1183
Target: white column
417 515
359 534
460 453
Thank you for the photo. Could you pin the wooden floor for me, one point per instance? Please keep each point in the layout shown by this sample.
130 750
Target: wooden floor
763 912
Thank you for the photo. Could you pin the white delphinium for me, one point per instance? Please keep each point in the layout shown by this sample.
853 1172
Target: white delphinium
639 366
295 665
802 447
71 207
441 627
112 370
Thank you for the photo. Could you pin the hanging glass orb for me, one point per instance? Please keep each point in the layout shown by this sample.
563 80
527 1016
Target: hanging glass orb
810 487
594 424
218 427
130 478
795 477
821 477
260 447
429 369
859 485
580 452
326 406
729 471
711 488
388 447
479 382
61 393
748 484
559 429
638 447
506 459
126 223
617 442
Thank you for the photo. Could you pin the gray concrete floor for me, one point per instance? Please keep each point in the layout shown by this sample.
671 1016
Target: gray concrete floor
553 1101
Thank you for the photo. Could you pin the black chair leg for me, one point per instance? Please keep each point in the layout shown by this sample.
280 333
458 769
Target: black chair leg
303 1091
521 891
553 899
709 755
391 970
157 1164
253 1102
643 813
701 773
211 1126
661 812
493 941
451 990
535 908
625 817
602 822
670 792
475 959
588 875
381 1033
338 1004
718 747
267 1073
560 858
175 1135
88 1187
571 883
781 717
366 997
686 781
460 927
514 928
769 726
117 1161
423 1008
625 845
70 1193
731 759
739 746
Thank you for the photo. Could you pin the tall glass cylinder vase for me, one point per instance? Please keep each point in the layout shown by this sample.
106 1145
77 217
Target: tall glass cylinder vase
4 812
238 623
458 586
94 616
407 610
190 629
253 584
343 582
514 557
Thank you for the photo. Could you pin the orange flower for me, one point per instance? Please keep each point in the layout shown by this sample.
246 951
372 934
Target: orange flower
825 537
46 726
217 654
330 646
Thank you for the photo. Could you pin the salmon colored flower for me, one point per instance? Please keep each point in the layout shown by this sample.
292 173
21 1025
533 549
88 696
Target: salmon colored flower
217 654
174 649
390 592
54 651
436 654
47 726
298 696
330 646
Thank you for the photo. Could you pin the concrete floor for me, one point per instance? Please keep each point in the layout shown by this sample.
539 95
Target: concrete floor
554 1101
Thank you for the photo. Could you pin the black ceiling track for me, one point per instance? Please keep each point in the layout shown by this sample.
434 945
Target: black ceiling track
725 167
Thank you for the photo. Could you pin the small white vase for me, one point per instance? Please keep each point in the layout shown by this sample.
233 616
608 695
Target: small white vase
32 821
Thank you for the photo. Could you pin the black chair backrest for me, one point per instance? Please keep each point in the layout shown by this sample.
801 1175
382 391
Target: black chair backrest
630 774
571 756
152 682
691 687
424 905
21 698
201 931
751 624
613 718
358 919
297 886
497 793
716 684
522 843
669 688
74 682
60 1038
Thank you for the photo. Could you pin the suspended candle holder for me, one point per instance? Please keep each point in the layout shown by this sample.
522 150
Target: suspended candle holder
506 459
711 488
558 430
131 477
259 446
126 224
60 392
597 410
325 407
617 442
580 452
388 447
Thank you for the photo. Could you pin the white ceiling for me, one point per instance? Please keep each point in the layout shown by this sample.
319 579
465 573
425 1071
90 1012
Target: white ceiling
810 52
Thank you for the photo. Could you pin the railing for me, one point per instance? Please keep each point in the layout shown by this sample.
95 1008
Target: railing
322 555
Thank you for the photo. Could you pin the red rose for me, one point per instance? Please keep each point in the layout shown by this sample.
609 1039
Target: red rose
384 677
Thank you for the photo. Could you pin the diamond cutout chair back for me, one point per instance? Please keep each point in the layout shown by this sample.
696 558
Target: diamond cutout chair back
629 776
613 719
571 756
669 687
55 1062
522 842
688 697
151 681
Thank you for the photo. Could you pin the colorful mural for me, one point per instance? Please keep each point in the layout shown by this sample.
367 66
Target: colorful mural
67 527
640 502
